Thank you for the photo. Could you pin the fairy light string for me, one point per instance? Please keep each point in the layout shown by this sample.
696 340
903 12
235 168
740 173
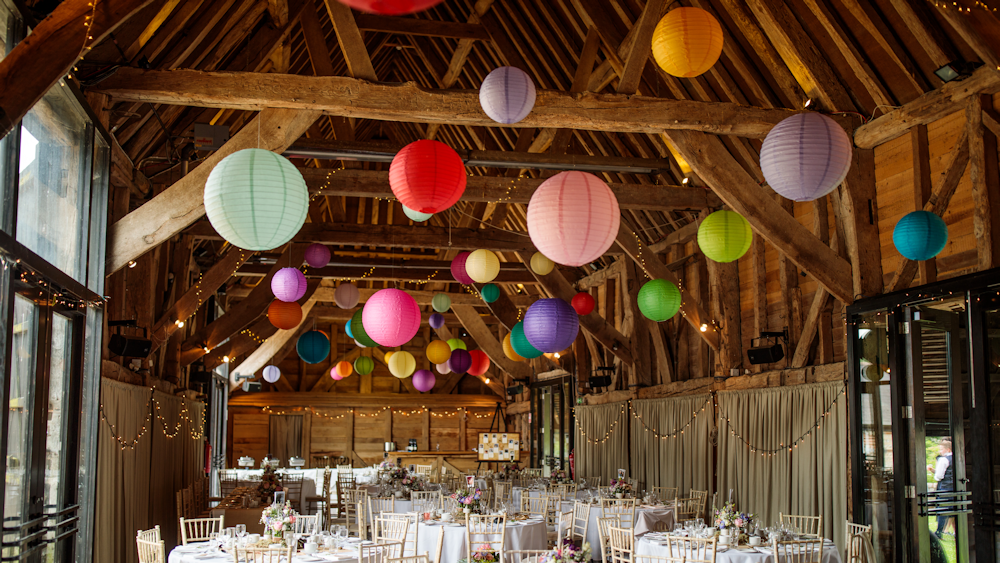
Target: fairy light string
170 430
783 447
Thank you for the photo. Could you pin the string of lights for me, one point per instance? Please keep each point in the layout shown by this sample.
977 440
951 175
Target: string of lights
402 412
953 5
676 432
608 434
196 427
783 447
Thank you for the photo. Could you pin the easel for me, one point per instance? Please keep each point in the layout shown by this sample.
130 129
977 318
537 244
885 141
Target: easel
497 419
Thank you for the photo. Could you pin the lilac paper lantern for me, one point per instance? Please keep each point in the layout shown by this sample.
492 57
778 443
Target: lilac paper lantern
805 156
391 317
460 361
443 369
507 94
551 325
272 374
288 285
458 269
436 321
424 380
346 295
317 255
573 218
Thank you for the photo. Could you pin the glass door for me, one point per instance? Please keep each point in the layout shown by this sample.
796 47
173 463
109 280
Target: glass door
553 412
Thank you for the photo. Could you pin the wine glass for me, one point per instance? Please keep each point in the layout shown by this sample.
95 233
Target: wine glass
241 530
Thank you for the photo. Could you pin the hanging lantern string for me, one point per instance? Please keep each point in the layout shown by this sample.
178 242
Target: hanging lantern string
782 447
477 219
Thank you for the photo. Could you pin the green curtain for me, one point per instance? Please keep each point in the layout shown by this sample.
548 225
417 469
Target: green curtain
662 456
601 440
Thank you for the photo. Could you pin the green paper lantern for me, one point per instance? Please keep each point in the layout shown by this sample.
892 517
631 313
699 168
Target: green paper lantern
724 236
364 365
441 302
359 331
490 293
456 344
659 300
256 199
519 342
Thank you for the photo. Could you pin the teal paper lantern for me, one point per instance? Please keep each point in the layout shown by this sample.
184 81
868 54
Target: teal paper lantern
416 215
920 235
490 292
724 236
358 331
519 342
364 365
313 347
256 199
659 300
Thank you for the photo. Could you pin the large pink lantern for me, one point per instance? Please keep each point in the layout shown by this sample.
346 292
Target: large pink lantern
573 218
317 255
806 156
391 317
458 269
424 380
288 284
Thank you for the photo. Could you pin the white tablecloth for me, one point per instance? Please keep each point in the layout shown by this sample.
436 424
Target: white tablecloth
645 547
645 519
520 535
199 553
312 479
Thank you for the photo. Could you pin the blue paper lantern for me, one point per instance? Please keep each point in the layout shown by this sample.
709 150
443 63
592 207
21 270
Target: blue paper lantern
313 347
551 325
347 328
920 235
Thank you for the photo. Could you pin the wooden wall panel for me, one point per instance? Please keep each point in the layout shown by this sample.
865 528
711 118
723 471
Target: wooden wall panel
250 435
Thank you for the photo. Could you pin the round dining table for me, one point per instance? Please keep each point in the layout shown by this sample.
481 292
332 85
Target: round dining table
523 535
646 520
201 552
762 554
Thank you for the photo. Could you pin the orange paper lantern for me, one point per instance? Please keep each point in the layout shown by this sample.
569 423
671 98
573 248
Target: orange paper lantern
285 316
687 42
343 369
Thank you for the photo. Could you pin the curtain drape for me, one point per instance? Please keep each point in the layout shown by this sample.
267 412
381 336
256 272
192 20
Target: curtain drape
601 440
662 456
811 479
136 486
285 437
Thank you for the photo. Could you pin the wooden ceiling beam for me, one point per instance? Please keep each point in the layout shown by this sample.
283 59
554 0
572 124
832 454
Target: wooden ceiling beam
387 273
488 343
352 43
368 400
272 346
421 27
325 293
409 102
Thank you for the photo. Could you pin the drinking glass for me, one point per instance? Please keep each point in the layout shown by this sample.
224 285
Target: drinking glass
241 530
678 527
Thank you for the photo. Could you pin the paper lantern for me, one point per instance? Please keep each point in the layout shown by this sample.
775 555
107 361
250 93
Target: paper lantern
659 300
440 302
256 199
391 7
456 344
288 284
343 369
920 235
317 255
508 350
424 380
272 374
490 293
416 215
805 156
443 369
346 296
402 364
358 328
458 268
687 42
283 315
583 303
551 325
391 317
438 352
358 344
483 266
427 176
519 342
460 361
387 357
436 320
334 375
313 347
480 362
507 94
541 265
573 218
724 236
347 329
364 365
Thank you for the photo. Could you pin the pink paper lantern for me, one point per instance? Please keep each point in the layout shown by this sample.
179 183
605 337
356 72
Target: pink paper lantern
390 7
424 380
391 317
336 376
288 284
573 218
443 369
458 269
317 255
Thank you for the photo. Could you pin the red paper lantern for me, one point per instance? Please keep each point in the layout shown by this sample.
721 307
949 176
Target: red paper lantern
285 316
583 302
480 362
427 176
391 7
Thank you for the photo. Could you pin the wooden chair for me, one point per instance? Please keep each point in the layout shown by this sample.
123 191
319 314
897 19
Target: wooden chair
563 491
859 542
595 482
502 492
803 525
179 504
390 530
200 529
412 532
687 509
425 501
665 494
801 551
525 555
621 544
537 506
378 505
150 551
379 552
425 470
563 531
200 487
188 496
355 512
263 554
318 504
488 531
291 482
152 534
534 473
581 521
344 484
855 529
701 496
693 550
227 481
624 508
307 524
345 468
604 525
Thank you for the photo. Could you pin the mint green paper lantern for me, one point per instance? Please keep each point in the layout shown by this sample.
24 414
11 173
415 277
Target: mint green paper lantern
441 302
416 215
659 300
256 199
724 236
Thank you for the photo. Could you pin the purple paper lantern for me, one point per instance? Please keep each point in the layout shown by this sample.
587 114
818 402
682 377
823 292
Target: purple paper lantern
806 156
551 325
288 285
272 374
424 380
317 255
436 321
391 317
507 94
460 361
445 368
458 269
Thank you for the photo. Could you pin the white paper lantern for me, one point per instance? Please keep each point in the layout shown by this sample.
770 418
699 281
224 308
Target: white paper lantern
507 94
346 296
806 156
256 199
272 374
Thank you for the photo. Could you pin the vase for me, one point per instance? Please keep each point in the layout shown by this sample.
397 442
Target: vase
619 495
467 511
399 494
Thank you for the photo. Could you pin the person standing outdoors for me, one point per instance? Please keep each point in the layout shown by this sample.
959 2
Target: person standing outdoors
944 474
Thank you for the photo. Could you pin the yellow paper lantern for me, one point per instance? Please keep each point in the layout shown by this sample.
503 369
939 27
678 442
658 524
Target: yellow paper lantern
438 352
483 266
541 265
387 356
687 42
508 350
402 364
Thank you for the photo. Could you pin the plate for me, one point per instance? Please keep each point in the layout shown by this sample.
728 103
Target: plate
455 525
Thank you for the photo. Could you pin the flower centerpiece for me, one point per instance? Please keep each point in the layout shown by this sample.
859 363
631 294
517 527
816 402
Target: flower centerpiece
386 465
559 478
269 484
468 500
278 519
485 554
621 488
567 552
729 517
511 470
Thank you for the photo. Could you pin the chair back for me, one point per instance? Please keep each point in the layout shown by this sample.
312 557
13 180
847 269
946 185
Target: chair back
692 550
306 524
604 525
687 509
389 529
291 482
188 496
227 481
855 529
341 469
179 504
200 495
624 508
525 555
581 521
701 496
355 503
409 559
859 544
378 505
534 473
800 551
150 551
564 527
803 525
263 554
595 481
380 552
502 492
425 501
563 491
665 494
149 535
485 533
538 506
412 532
425 470
200 529
621 544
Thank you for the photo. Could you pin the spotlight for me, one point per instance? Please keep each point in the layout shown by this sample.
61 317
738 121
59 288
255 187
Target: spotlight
807 104
704 327
770 353
956 70
685 180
